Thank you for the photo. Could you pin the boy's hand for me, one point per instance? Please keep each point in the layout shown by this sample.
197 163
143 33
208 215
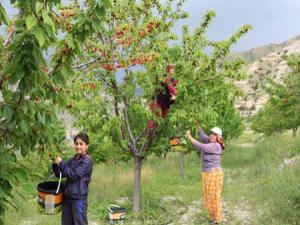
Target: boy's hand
57 160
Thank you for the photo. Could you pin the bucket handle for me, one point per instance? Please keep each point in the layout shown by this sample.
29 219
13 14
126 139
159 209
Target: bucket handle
50 177
112 205
60 175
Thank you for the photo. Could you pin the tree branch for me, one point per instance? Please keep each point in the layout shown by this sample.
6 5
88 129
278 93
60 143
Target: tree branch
105 82
141 135
1 81
127 121
148 141
10 34
80 66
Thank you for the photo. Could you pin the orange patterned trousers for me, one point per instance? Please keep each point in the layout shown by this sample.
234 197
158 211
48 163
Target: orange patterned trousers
212 183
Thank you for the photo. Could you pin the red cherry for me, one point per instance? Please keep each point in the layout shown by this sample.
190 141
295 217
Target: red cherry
69 106
142 34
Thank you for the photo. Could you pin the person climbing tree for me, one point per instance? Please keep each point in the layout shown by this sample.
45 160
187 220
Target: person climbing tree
78 171
212 173
164 96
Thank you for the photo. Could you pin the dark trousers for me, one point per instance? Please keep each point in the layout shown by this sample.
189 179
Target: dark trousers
74 212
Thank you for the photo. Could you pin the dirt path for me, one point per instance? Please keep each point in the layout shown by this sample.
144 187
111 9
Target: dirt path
232 214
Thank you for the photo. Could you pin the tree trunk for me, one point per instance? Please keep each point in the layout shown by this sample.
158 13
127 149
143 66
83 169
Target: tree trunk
181 164
137 184
295 131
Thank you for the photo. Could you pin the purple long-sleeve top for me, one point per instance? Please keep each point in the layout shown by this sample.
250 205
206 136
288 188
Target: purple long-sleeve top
211 152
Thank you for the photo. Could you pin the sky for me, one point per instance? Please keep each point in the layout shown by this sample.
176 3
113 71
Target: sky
273 21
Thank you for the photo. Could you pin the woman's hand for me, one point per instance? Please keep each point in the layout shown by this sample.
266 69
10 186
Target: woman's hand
198 125
188 134
57 160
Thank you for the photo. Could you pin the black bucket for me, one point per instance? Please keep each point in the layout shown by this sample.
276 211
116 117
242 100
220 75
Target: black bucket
49 198
116 213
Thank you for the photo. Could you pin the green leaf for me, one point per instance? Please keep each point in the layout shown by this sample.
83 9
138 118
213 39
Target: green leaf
38 6
6 112
65 71
7 95
3 16
15 77
61 99
40 36
41 118
96 26
46 18
48 21
24 151
31 22
24 127
70 42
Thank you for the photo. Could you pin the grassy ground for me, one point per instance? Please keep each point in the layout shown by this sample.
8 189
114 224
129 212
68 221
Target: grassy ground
261 186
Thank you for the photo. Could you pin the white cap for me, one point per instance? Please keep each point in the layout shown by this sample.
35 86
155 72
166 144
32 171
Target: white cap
217 131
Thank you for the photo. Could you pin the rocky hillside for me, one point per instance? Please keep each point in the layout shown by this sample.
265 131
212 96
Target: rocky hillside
259 52
262 63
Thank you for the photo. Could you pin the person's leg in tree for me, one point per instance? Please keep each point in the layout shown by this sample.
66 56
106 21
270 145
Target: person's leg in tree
164 112
66 214
150 123
154 107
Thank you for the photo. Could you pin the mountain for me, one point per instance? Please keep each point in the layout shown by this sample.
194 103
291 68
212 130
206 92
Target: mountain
263 63
259 52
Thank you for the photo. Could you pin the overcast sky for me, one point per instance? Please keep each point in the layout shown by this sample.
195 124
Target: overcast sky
273 21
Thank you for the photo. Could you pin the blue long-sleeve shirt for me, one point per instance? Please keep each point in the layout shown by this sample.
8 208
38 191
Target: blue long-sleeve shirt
211 152
77 172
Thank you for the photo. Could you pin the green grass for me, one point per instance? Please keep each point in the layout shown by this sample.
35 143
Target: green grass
257 190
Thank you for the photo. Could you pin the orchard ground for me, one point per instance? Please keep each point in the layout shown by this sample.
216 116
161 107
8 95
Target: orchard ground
261 186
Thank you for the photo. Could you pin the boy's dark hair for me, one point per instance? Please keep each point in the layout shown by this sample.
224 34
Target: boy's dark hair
83 136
